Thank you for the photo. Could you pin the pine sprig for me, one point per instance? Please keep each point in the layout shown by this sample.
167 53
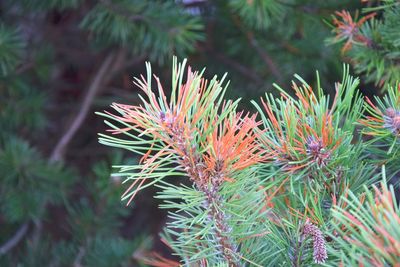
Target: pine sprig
383 120
194 133
308 137
368 231
29 182
258 14
154 28
11 49
381 125
372 44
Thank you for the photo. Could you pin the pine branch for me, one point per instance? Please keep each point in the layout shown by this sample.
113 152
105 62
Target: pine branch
264 56
197 172
110 66
208 142
15 239
222 231
261 52
119 10
79 257
113 63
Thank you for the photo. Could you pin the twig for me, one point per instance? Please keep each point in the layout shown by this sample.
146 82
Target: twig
14 240
37 232
79 257
196 171
264 56
261 52
100 79
110 66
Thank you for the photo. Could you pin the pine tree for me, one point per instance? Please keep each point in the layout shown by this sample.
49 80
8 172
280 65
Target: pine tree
271 182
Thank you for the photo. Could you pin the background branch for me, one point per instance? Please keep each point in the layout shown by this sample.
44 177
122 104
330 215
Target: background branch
264 56
111 65
15 239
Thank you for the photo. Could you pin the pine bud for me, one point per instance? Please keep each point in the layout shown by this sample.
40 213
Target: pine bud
319 247
392 120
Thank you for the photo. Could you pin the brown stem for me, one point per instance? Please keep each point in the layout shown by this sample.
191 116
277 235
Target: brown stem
111 65
104 74
228 250
261 52
264 56
209 185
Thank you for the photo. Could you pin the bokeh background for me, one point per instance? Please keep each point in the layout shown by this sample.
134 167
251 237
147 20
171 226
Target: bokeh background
62 60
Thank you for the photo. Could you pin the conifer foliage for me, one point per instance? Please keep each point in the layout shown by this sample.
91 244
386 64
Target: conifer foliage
306 175
195 133
372 42
52 212
367 228
272 192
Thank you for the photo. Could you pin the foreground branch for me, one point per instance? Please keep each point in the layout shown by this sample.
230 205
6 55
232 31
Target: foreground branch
199 175
222 231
